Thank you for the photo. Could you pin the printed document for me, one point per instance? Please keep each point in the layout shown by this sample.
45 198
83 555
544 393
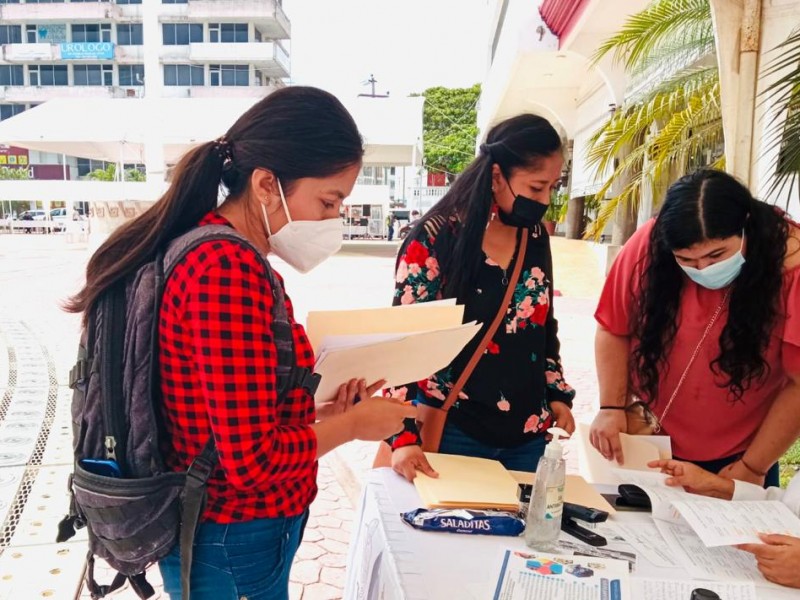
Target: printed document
730 523
531 575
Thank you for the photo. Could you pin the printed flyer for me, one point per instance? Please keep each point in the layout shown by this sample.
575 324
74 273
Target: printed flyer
531 575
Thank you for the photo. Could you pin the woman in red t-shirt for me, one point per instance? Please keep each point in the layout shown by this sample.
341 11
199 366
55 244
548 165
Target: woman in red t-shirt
286 165
700 319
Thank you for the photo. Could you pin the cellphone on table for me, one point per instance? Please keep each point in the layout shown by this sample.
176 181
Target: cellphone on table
99 466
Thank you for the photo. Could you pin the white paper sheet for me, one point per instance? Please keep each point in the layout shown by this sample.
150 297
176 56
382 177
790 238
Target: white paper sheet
660 589
647 541
637 449
723 563
730 523
400 360
531 575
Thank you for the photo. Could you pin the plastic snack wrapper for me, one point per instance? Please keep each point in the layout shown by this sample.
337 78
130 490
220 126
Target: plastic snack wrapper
481 522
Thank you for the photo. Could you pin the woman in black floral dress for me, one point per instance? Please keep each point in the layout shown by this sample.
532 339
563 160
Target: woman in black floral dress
466 248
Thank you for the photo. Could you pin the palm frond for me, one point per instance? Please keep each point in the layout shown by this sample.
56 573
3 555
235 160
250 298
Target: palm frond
662 23
683 51
783 131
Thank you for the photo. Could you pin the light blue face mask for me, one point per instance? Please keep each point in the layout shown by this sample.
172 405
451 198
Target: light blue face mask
720 274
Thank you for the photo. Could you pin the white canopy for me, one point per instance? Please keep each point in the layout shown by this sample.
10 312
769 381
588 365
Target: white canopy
118 129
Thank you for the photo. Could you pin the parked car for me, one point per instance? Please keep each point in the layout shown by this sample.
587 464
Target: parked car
33 215
59 217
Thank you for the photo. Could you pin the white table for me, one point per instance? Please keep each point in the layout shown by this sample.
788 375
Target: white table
389 560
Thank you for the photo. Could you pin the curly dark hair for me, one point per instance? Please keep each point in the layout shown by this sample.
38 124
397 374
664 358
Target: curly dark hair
710 205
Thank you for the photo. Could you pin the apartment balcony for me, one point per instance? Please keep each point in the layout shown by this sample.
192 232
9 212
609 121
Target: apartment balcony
247 91
126 55
267 15
17 53
269 57
169 54
62 12
43 93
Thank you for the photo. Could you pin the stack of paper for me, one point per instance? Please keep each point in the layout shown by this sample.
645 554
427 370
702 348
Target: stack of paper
467 482
399 344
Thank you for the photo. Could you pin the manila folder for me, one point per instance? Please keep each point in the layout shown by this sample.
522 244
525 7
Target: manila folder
467 482
399 360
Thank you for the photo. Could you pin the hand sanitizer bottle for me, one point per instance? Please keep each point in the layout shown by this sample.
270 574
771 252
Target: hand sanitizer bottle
543 524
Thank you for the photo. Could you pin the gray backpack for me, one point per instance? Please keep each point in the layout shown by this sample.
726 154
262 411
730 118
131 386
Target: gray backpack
135 510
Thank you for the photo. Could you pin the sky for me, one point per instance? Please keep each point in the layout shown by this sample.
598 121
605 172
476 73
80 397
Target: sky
408 45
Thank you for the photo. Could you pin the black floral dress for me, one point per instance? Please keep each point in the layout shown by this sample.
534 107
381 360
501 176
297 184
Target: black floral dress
506 400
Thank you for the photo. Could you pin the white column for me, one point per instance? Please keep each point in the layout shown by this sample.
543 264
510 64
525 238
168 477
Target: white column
737 27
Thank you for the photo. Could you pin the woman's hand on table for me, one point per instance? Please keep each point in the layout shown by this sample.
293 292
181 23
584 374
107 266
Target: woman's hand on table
738 470
563 416
778 558
604 433
346 397
694 479
409 459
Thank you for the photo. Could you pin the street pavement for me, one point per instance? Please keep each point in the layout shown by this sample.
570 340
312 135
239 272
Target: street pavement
37 348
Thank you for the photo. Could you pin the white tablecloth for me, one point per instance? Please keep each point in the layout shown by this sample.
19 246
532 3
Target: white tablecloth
389 560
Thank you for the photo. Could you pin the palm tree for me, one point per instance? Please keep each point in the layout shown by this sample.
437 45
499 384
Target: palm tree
783 137
666 129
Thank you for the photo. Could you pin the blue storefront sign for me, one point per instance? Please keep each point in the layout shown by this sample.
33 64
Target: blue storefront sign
90 50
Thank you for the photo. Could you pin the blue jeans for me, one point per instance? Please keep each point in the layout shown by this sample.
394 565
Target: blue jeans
238 561
522 458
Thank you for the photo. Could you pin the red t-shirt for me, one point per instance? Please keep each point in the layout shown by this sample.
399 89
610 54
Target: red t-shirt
704 423
218 360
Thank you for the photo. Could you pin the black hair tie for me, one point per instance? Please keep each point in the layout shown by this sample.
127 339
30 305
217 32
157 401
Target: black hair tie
224 150
486 150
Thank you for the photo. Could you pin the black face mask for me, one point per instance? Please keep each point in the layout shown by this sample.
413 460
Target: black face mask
525 212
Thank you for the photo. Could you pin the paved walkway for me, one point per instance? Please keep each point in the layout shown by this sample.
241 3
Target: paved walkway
37 348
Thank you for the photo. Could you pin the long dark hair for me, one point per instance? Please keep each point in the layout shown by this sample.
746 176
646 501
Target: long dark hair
516 143
710 205
295 132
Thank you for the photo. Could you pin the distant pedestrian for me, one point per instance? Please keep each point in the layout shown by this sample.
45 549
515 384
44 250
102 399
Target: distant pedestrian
391 220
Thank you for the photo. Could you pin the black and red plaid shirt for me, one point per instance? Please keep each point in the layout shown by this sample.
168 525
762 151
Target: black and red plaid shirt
218 360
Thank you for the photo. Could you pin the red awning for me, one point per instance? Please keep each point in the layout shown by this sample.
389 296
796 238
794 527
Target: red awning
561 15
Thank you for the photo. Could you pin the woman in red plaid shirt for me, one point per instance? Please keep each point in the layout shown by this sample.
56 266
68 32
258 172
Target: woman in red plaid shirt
286 165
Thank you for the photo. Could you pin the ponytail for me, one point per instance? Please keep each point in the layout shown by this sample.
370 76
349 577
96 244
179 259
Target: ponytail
192 193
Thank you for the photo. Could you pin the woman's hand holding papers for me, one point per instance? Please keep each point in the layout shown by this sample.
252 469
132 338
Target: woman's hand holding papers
355 414
376 418
409 459
604 434
694 479
348 394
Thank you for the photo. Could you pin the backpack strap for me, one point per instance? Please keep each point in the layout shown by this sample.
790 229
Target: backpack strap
290 376
193 502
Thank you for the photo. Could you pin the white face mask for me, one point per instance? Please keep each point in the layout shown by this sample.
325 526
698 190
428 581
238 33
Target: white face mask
304 244
719 275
